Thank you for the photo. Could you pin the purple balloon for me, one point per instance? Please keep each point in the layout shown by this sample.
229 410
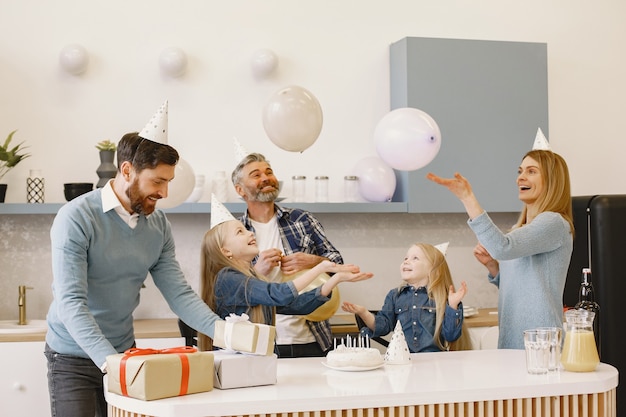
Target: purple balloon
407 139
377 180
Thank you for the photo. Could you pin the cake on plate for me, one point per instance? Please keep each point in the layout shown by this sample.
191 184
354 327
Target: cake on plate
360 357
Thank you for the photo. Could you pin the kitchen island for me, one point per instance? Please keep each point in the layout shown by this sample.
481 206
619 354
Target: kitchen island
444 384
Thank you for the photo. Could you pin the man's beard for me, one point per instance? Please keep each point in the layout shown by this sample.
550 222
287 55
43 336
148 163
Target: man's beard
263 196
138 202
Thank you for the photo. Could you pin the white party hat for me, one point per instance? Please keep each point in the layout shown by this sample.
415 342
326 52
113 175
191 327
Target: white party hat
398 351
541 143
219 213
240 151
156 129
443 247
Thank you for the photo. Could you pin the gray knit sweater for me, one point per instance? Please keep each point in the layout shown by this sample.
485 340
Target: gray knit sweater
533 267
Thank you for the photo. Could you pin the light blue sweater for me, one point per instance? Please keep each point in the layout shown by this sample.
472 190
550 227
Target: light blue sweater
99 264
533 267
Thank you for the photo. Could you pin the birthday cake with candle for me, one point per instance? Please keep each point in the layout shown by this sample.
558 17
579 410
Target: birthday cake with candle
359 356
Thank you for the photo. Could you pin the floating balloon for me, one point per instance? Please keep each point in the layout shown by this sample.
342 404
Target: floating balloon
292 119
74 59
377 180
180 188
326 310
173 61
407 139
263 63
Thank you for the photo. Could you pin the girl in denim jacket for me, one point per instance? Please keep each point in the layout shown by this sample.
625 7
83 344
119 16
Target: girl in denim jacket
426 304
229 283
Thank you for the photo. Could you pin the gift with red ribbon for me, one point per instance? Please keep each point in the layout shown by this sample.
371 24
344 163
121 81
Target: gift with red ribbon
150 374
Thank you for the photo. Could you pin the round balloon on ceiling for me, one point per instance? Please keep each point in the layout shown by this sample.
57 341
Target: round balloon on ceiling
263 63
377 180
292 118
173 61
74 59
180 188
407 139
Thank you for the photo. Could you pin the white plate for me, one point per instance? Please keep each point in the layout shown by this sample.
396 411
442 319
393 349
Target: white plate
354 368
470 313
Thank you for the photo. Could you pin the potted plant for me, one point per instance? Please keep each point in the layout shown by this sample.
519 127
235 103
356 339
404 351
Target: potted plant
107 169
9 158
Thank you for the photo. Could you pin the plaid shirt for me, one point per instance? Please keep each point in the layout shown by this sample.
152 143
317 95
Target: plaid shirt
301 232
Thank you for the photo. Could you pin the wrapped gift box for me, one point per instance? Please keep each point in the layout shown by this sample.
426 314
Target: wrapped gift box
244 336
160 374
236 370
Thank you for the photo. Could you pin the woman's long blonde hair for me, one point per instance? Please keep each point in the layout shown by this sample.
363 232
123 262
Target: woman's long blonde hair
439 281
556 196
212 261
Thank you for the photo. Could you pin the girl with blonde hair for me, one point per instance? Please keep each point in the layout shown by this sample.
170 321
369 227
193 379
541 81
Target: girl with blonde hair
426 304
230 284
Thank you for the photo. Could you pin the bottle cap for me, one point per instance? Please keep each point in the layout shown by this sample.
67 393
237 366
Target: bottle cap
321 177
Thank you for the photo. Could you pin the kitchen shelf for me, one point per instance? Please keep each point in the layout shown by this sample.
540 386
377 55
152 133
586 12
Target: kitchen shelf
200 208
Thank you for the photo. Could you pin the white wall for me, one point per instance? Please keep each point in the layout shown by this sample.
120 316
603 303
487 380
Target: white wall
336 49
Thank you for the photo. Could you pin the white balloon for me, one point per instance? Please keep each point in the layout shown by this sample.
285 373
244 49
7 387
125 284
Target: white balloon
263 63
407 139
292 118
173 61
180 188
377 180
74 59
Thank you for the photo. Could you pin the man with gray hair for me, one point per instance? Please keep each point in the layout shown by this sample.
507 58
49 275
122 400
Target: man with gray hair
289 240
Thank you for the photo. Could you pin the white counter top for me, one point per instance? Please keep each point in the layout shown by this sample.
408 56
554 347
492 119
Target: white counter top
305 384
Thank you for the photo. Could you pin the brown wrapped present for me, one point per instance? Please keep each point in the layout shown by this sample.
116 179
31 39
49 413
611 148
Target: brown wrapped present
244 336
235 370
150 374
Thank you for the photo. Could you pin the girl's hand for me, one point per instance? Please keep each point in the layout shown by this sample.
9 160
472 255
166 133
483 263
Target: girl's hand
455 297
353 308
344 276
328 266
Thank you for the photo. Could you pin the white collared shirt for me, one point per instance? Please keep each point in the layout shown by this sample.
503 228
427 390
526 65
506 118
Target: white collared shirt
111 202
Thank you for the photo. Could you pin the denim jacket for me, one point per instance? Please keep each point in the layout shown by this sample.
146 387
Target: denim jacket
417 315
236 293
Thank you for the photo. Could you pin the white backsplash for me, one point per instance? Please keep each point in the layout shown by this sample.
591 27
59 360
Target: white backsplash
375 242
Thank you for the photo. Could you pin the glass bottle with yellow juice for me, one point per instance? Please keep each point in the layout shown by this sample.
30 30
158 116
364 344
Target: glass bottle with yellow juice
580 353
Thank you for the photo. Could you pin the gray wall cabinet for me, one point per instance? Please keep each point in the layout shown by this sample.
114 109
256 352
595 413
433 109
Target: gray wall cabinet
488 98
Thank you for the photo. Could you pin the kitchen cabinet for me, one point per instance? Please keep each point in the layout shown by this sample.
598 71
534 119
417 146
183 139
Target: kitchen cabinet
488 99
23 380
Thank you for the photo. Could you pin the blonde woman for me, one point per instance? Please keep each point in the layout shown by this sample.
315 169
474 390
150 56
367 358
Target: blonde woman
529 263
426 304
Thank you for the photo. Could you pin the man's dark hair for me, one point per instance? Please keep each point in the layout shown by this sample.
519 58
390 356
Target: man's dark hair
144 153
